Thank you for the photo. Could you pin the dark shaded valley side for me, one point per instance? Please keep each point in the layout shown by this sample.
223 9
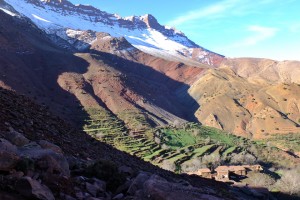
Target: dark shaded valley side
110 121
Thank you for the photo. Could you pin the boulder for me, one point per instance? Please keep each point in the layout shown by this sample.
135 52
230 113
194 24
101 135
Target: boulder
138 182
27 166
29 146
53 163
76 163
9 196
7 146
93 198
15 175
31 188
66 197
158 188
16 138
118 196
101 185
8 156
126 170
48 145
124 187
46 160
81 193
92 189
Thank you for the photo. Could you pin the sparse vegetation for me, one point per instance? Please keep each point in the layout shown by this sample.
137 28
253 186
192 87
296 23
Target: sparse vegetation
287 141
188 147
257 179
180 147
289 182
107 171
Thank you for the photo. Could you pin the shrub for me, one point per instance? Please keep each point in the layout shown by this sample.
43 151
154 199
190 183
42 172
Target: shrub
212 160
157 140
107 171
260 180
168 165
289 182
25 165
242 159
192 165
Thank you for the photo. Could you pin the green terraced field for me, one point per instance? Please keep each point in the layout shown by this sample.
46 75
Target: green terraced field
229 151
174 145
288 141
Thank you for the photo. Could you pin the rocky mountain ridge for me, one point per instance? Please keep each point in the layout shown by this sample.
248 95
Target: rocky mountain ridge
118 92
143 32
174 91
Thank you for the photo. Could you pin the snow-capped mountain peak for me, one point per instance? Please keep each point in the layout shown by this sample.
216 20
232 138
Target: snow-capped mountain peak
60 17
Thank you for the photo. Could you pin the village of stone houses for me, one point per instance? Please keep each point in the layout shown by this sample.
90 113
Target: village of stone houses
228 173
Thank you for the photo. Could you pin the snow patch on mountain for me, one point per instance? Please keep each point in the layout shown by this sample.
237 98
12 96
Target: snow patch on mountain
55 18
8 12
39 18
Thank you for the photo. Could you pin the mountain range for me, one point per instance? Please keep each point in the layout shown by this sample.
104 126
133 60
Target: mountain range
67 21
142 88
135 65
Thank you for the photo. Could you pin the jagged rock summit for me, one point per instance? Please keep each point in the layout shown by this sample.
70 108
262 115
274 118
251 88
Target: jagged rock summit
58 17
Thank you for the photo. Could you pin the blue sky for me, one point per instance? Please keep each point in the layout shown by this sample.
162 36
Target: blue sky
234 28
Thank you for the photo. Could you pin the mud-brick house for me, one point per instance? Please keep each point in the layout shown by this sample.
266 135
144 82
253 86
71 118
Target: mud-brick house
205 173
255 168
238 170
224 172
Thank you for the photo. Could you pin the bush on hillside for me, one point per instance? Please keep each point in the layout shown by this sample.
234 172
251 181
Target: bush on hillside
289 182
242 158
257 179
192 165
107 171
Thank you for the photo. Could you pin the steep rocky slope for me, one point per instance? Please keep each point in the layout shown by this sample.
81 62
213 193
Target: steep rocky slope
265 70
119 92
113 77
250 97
30 64
99 80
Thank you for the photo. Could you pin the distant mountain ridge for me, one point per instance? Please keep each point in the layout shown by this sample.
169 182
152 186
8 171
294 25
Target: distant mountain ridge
139 69
102 82
143 32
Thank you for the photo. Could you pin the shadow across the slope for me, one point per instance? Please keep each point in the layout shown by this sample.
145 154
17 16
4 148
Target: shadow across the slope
35 72
30 64
155 87
15 109
283 196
